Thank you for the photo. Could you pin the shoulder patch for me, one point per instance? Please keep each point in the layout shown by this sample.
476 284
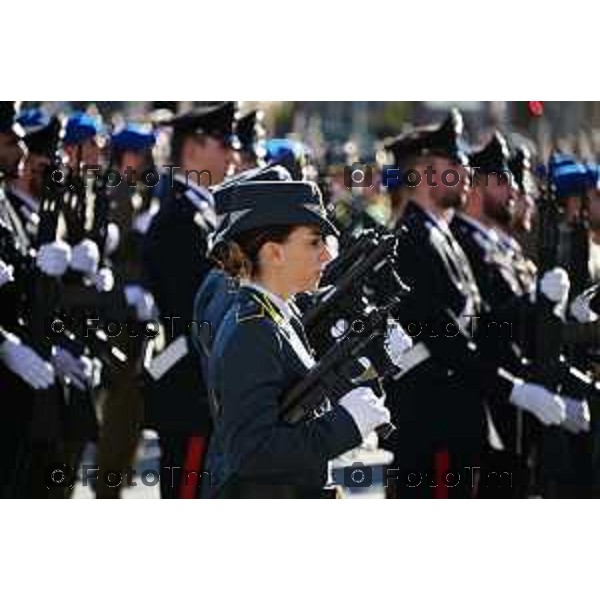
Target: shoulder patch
248 311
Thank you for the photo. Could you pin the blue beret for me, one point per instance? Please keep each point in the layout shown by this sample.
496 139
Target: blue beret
33 119
81 127
133 136
570 177
278 149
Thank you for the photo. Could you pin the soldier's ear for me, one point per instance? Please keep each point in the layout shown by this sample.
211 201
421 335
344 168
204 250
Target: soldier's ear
190 149
273 253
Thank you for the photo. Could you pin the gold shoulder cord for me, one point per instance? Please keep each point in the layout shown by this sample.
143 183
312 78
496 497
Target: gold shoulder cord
269 309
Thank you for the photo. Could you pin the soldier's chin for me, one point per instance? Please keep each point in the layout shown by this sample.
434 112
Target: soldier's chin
453 200
502 215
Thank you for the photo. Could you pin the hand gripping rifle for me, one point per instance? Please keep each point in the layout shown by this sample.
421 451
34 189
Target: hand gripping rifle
550 333
548 368
547 327
83 301
335 374
361 276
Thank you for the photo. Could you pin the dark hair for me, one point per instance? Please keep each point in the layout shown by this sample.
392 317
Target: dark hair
239 257
178 139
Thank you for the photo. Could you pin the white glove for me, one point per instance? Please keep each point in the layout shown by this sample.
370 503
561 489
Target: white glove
86 257
366 409
53 259
555 285
142 301
6 273
549 408
96 377
578 415
104 280
141 223
78 369
113 237
397 342
581 311
26 363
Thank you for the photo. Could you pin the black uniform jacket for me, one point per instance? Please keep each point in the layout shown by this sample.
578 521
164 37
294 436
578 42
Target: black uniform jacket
253 452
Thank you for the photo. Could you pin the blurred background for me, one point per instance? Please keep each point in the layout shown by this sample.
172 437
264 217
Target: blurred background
567 126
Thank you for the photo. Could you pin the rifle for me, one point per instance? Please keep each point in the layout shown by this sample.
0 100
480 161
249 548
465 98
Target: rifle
361 276
75 205
99 229
44 297
549 367
332 376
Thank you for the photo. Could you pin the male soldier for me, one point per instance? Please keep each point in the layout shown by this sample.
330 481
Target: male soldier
520 167
22 369
122 409
175 263
81 145
441 419
251 136
35 447
353 193
506 282
82 152
392 179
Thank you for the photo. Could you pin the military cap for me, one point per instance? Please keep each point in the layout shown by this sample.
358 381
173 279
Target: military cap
268 173
41 131
214 121
570 177
8 122
520 167
250 133
257 204
81 127
33 119
493 157
133 136
281 149
444 140
291 154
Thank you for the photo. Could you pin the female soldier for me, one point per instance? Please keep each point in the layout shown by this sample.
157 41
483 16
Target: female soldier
273 239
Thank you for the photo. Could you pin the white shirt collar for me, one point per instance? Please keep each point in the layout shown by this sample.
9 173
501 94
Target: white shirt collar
278 301
441 223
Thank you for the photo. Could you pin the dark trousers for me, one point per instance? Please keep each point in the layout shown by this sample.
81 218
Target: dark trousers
182 462
122 417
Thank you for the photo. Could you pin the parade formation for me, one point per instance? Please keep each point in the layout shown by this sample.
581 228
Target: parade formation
266 311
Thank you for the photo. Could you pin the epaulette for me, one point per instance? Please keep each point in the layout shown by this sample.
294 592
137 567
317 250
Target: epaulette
249 310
